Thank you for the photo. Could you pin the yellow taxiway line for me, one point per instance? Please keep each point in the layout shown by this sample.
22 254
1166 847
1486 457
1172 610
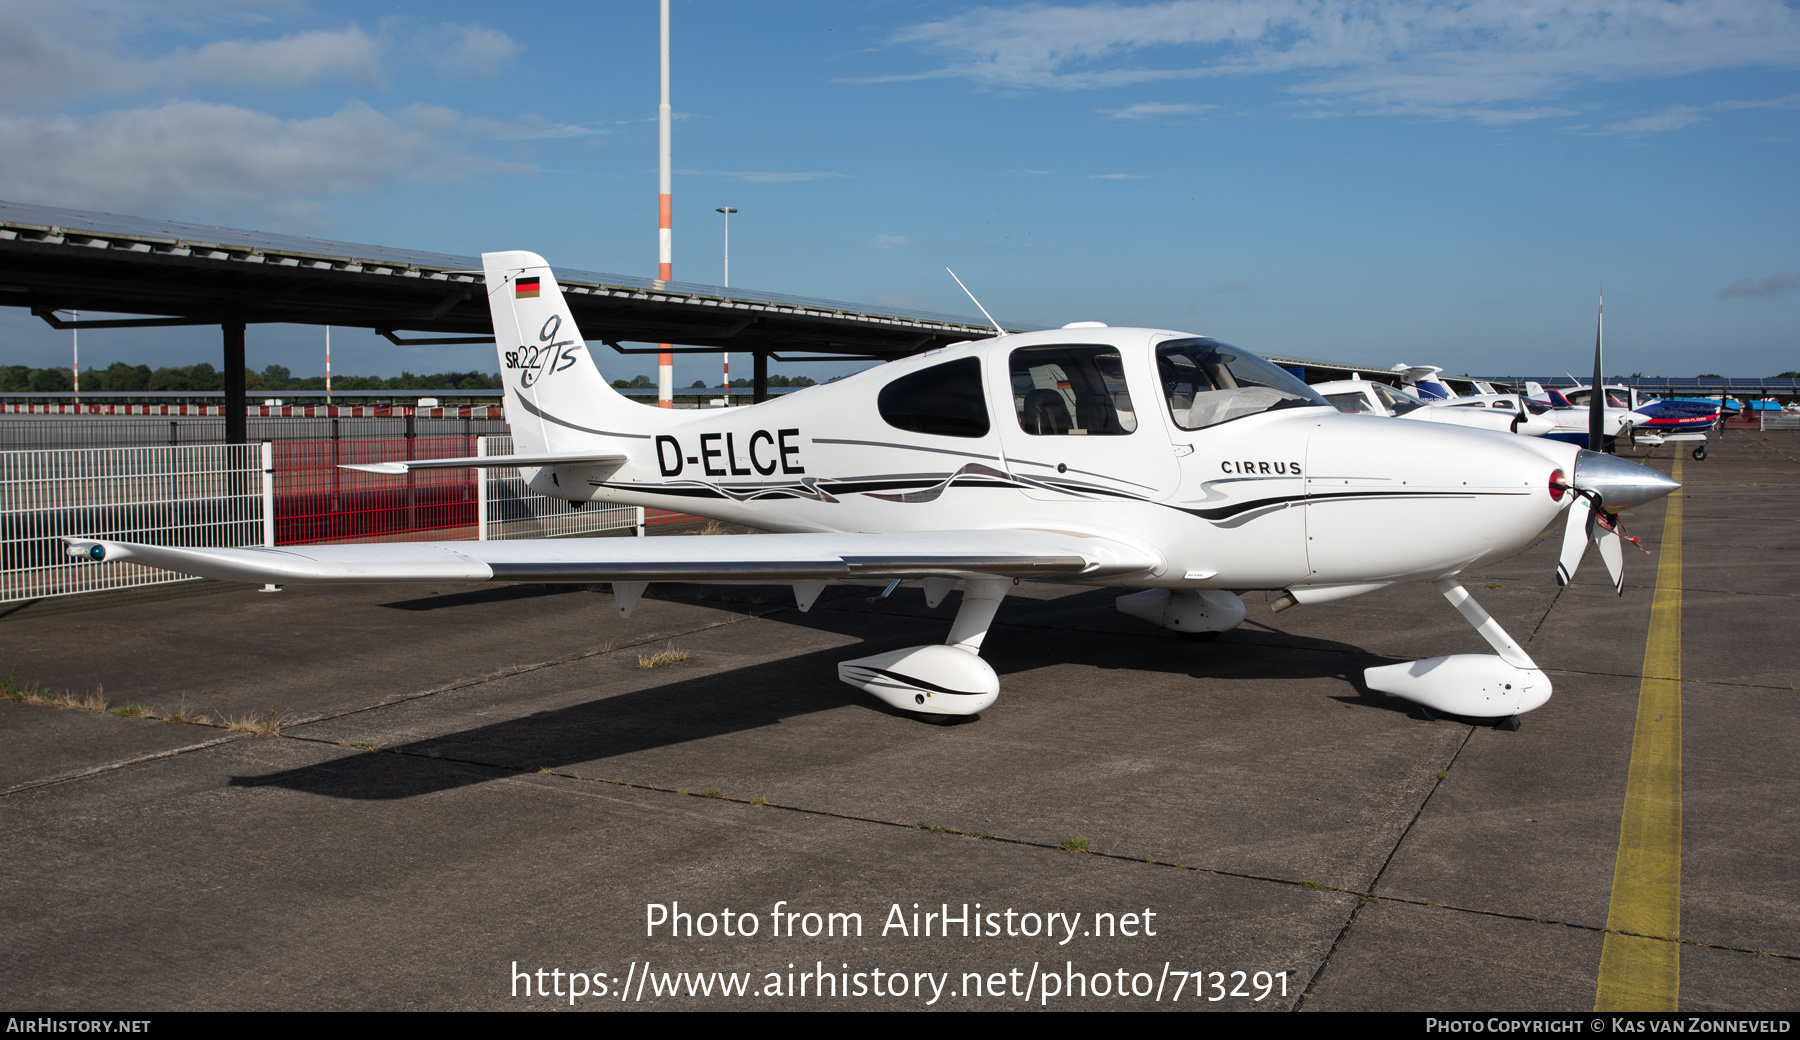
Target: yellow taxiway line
1640 963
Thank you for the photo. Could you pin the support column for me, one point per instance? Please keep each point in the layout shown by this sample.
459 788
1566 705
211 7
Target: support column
759 379
237 423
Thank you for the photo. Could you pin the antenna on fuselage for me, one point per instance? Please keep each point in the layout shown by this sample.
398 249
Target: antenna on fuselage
978 305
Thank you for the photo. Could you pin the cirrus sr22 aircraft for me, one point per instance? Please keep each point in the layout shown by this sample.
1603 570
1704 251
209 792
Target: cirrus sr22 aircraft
1170 465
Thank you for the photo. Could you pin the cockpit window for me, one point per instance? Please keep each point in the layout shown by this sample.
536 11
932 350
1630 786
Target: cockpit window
1071 390
1208 383
944 399
1613 398
1352 402
1397 402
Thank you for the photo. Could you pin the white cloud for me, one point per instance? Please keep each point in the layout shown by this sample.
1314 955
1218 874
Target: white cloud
530 127
35 63
290 61
774 177
1436 58
1147 110
467 51
1672 118
1115 176
1677 116
1778 284
887 241
224 158
80 53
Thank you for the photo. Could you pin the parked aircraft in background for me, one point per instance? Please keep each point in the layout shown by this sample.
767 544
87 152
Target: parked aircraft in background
1637 417
1174 467
1502 413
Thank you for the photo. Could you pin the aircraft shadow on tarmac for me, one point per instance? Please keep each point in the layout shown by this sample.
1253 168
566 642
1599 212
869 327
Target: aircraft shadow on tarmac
579 737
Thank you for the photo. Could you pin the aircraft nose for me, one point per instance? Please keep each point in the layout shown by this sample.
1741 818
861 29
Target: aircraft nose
1619 483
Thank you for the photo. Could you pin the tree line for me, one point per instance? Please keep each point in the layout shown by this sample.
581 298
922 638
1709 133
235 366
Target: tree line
122 378
646 383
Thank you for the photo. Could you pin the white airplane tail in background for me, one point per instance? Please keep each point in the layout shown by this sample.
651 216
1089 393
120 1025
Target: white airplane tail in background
556 399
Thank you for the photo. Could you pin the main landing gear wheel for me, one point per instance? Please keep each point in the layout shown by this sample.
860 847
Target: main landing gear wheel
1700 453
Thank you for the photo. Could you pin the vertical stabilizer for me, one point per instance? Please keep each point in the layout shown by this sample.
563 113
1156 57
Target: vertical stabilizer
556 399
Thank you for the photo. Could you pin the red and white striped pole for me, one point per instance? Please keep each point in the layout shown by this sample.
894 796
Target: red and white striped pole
726 356
665 235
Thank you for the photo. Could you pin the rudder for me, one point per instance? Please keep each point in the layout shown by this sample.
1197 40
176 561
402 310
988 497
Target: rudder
556 399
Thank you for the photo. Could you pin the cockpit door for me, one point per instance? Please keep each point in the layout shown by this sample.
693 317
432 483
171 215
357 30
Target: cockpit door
1073 423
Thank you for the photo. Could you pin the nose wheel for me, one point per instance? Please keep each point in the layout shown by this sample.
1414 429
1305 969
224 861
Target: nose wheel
1700 453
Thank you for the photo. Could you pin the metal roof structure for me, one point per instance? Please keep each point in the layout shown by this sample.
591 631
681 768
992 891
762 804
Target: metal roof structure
172 273
60 259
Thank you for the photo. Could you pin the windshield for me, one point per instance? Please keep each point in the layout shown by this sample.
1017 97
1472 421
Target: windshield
1614 398
1208 383
1351 402
1397 402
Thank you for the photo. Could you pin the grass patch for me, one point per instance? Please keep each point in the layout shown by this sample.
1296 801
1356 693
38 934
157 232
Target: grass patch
1313 884
1443 774
712 793
1077 843
12 690
1494 588
976 834
759 800
268 726
668 655
127 711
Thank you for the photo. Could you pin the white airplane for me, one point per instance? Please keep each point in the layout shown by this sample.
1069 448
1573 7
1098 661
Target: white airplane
1166 464
1502 413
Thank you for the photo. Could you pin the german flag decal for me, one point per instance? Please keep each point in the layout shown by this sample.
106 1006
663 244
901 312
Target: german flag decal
527 289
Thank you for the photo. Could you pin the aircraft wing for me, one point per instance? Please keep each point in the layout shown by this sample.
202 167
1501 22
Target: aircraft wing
746 557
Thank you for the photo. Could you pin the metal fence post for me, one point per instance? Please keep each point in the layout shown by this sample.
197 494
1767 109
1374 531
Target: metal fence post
268 502
640 522
268 493
481 492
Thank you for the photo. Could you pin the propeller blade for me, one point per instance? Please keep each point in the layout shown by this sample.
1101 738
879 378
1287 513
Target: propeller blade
1596 389
1575 542
1606 539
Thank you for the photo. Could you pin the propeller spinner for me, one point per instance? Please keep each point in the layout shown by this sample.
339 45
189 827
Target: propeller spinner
1603 485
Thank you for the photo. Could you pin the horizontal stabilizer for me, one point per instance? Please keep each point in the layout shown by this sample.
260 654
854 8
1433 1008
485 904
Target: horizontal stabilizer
491 461
749 557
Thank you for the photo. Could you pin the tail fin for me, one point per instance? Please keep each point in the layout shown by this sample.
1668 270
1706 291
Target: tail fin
556 399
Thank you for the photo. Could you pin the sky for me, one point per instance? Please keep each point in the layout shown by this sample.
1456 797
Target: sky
1376 181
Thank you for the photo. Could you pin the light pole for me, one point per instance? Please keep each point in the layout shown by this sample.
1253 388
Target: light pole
76 371
728 211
